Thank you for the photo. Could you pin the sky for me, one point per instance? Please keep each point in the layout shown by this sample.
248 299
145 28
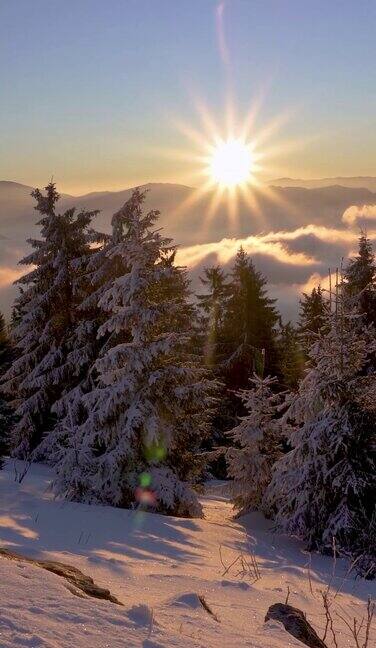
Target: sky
94 93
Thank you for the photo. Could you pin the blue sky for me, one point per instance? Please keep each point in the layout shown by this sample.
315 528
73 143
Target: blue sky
91 88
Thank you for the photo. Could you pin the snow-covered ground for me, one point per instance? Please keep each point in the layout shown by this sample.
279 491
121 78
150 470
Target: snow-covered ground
157 566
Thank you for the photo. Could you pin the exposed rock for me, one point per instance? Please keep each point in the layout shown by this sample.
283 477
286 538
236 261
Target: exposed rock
295 623
71 574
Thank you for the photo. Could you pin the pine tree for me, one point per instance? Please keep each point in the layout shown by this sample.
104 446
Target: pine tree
45 318
4 340
257 441
250 325
313 312
6 414
212 307
291 356
325 487
103 266
360 279
147 413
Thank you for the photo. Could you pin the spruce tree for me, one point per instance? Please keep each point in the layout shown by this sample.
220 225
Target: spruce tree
360 279
148 411
250 325
291 356
212 310
98 272
212 306
325 487
257 441
313 312
6 414
102 266
5 345
45 318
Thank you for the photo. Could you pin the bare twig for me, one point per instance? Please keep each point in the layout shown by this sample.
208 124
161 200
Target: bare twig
20 476
309 565
356 628
248 566
151 622
370 615
208 608
329 619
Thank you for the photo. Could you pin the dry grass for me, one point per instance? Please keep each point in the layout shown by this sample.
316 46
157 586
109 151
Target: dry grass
360 629
243 566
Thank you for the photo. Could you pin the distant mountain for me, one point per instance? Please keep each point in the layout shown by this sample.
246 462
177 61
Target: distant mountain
365 182
17 216
185 218
286 207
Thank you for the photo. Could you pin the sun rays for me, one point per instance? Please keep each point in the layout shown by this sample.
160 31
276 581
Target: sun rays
229 161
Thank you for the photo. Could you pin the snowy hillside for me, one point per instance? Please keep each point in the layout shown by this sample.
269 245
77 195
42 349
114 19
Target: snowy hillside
157 567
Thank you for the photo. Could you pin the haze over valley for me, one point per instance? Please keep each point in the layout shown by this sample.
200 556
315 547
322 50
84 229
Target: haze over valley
294 236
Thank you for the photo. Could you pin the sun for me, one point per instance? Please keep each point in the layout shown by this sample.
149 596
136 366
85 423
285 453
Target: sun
231 163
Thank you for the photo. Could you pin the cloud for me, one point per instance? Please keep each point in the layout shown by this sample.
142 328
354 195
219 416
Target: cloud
293 261
307 247
9 275
226 249
353 214
7 289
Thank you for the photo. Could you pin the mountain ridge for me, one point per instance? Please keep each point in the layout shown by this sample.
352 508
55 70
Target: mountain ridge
285 209
288 207
366 182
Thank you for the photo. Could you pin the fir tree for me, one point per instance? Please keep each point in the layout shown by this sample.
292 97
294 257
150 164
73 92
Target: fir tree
98 272
212 307
6 414
325 487
257 441
291 356
250 324
4 341
360 279
313 312
45 318
148 412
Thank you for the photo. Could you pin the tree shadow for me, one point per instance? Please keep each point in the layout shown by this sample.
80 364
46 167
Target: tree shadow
41 527
286 554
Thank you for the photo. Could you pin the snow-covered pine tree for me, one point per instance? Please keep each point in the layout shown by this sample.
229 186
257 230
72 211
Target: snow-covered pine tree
212 307
45 318
360 279
102 266
250 325
6 414
325 487
257 444
147 415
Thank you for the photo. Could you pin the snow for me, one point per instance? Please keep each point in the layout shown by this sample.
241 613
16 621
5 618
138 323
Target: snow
148 408
157 566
